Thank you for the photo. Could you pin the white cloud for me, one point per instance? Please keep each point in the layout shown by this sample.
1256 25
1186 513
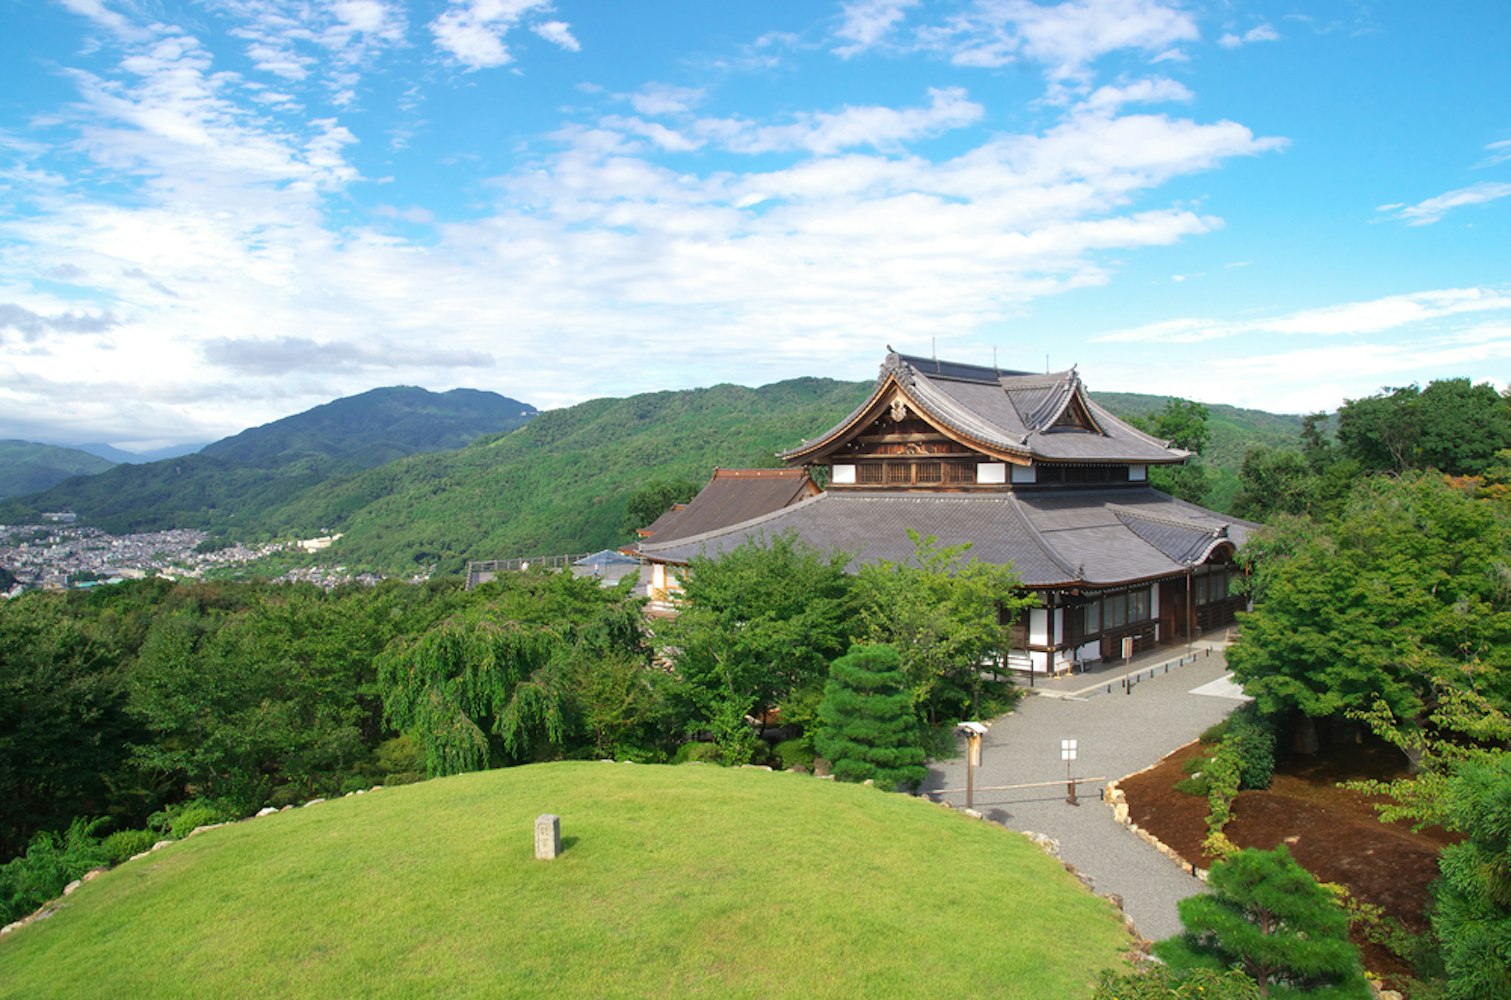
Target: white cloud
1424 213
658 99
1500 152
473 31
1259 33
867 22
1374 316
1064 38
558 33
829 132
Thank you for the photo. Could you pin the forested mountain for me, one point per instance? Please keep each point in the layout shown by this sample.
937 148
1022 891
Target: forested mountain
28 468
231 481
562 482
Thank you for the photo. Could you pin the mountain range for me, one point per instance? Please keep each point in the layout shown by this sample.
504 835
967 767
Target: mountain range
417 481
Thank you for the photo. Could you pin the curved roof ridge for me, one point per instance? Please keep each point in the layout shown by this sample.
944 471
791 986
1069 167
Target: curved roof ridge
1220 530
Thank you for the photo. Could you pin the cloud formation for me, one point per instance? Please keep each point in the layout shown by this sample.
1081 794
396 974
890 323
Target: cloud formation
1430 210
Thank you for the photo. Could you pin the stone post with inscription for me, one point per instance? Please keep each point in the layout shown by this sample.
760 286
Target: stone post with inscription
547 836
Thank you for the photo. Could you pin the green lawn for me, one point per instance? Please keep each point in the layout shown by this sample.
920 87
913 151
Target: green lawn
692 881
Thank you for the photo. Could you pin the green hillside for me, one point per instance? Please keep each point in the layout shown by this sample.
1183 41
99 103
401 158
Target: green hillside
26 467
231 481
560 483
689 881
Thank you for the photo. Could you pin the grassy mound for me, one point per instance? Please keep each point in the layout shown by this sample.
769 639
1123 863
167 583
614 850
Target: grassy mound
688 881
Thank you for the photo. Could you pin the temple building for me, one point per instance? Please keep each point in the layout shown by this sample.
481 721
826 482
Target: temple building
1024 467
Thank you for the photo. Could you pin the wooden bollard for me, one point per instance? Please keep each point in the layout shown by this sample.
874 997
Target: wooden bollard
547 836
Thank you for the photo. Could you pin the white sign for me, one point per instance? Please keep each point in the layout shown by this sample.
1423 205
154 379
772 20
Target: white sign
1067 749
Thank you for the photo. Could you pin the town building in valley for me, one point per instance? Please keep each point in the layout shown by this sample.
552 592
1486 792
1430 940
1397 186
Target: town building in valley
1024 467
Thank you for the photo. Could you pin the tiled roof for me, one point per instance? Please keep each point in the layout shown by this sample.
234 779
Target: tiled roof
1007 411
1088 537
731 496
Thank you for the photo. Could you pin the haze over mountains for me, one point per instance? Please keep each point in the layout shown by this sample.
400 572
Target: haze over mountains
422 481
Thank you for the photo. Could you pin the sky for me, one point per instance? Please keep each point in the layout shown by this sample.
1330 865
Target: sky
216 214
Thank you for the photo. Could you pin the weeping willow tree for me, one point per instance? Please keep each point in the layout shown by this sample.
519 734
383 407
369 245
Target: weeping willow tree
507 681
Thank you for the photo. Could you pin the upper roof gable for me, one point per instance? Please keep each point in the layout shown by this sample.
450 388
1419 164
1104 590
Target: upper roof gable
1011 415
730 497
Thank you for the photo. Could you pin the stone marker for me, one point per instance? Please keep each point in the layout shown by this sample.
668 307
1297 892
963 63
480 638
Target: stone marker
547 836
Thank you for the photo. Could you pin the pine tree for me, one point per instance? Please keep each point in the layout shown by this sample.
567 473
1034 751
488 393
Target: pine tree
869 729
1268 916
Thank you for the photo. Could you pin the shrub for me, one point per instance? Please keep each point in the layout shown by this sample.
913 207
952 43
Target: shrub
794 754
124 845
178 821
697 751
1222 777
1253 738
51 862
1268 915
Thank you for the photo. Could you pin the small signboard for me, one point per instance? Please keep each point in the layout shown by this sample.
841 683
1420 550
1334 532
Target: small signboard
1067 749
1127 647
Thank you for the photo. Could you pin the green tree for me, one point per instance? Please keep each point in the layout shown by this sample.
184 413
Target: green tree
1184 424
654 499
502 681
1268 916
1402 595
758 625
867 727
1472 918
949 617
1453 426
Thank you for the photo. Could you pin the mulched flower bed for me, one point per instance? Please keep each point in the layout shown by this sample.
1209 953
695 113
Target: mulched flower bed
1334 833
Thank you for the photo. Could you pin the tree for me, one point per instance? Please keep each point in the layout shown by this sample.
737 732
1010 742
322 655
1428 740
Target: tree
501 681
1268 916
1184 424
868 730
1402 595
949 616
654 499
1453 426
758 625
1472 918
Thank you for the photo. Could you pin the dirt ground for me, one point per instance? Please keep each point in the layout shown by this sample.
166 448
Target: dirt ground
1334 833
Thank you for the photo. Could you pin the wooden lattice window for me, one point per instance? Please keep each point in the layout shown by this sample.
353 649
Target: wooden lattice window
929 472
869 472
960 473
897 473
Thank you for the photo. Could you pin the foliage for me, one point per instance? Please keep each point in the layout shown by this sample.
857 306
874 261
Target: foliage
1473 914
794 755
1252 737
1405 593
64 730
1453 426
948 616
1268 916
124 845
758 625
654 499
51 862
182 818
868 730
1222 774
1184 424
1154 981
502 681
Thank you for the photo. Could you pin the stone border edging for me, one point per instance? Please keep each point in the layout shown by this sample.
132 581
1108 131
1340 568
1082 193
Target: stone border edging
52 906
1115 798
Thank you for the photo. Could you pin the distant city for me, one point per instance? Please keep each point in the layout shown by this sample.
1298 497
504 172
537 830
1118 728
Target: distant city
59 556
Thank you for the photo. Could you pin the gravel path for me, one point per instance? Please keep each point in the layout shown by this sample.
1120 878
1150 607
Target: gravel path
1117 734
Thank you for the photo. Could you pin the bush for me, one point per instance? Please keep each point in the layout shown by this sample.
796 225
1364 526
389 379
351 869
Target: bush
178 821
51 862
1253 739
869 731
1269 916
123 845
697 752
794 754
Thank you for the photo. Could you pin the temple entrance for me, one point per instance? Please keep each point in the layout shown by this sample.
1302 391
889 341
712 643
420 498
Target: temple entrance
1174 610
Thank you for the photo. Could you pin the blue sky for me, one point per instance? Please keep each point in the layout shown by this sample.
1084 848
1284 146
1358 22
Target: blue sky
218 214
